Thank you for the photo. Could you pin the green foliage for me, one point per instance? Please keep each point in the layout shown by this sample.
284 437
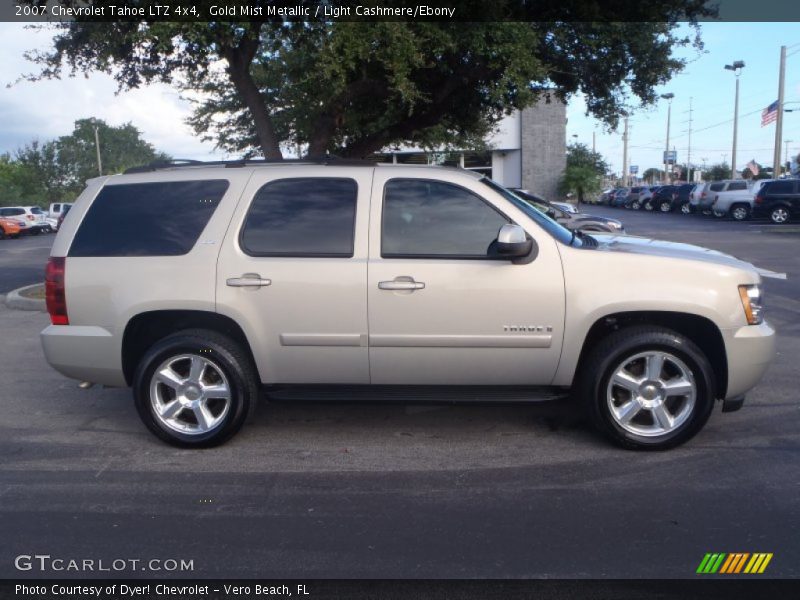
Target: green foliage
584 172
717 172
41 173
354 88
652 175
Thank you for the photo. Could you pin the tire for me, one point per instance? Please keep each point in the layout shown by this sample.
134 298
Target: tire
198 420
686 208
779 215
35 231
665 206
648 205
628 349
636 205
740 212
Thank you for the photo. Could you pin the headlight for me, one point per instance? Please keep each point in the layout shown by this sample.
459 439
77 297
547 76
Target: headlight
752 302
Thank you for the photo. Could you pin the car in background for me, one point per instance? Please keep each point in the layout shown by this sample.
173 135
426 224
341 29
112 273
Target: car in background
779 201
738 203
634 196
735 190
696 196
63 214
681 198
620 197
644 196
32 224
573 220
715 188
662 199
565 206
56 208
9 228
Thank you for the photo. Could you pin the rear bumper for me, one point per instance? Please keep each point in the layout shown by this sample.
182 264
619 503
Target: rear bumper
750 351
87 353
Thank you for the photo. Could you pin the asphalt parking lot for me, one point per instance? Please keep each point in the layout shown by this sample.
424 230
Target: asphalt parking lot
22 260
406 491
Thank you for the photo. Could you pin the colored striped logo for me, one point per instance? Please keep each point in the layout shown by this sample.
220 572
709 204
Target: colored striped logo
737 562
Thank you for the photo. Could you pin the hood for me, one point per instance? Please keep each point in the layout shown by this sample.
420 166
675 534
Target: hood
640 245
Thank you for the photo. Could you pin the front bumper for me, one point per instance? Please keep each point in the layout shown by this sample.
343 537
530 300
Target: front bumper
750 350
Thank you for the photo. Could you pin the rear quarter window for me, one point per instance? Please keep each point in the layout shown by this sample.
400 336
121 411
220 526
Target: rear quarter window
148 219
779 187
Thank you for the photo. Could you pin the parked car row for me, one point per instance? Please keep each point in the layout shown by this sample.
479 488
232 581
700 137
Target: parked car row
567 215
31 220
777 200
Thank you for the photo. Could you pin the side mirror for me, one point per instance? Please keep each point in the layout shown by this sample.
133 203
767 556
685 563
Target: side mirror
512 242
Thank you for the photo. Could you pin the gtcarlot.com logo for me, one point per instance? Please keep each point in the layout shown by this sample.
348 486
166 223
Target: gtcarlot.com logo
734 563
45 562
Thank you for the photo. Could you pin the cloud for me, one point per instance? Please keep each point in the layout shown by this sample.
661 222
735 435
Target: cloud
47 109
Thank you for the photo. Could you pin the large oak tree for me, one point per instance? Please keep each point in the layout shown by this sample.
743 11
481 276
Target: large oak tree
352 88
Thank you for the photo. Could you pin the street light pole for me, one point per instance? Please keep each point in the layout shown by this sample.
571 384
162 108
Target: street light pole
668 98
736 67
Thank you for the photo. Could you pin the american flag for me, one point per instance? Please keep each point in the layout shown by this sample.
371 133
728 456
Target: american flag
753 166
769 114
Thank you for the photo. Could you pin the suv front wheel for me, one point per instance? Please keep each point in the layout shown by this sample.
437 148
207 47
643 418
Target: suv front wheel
195 388
648 388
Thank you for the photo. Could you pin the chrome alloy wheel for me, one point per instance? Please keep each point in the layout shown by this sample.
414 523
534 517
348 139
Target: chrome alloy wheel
189 394
651 393
686 208
739 213
779 215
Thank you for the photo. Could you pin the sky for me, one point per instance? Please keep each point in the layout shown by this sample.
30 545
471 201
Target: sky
47 109
711 89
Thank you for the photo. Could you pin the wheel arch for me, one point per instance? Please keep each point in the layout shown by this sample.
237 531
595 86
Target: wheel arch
145 329
701 330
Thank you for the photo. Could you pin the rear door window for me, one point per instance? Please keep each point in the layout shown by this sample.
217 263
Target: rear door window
716 187
148 219
780 187
736 186
312 216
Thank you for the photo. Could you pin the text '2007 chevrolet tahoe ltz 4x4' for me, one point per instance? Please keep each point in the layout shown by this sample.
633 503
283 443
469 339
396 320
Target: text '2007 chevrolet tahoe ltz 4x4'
197 285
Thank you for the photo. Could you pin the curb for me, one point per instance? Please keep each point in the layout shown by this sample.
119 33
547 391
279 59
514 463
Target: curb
14 299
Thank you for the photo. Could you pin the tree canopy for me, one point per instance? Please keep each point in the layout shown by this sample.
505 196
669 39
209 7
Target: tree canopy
584 171
352 88
40 173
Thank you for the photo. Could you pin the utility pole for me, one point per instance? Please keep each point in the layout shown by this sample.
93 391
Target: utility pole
776 157
625 154
97 147
689 149
593 142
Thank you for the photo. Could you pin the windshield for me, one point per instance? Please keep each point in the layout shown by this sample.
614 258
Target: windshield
562 234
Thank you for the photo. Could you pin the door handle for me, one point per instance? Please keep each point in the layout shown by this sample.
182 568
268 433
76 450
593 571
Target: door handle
401 284
248 280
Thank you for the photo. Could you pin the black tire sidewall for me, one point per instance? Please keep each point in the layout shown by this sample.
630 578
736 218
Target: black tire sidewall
223 358
704 401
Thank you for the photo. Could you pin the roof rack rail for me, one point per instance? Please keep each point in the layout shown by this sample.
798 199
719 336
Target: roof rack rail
328 159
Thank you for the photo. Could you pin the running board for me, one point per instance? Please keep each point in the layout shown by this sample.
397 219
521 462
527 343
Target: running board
412 394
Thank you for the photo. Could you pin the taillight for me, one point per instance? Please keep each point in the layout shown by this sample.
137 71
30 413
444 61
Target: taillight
55 293
30 217
759 199
703 195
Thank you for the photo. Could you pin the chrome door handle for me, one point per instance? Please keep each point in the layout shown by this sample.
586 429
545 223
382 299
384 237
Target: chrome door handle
401 285
251 281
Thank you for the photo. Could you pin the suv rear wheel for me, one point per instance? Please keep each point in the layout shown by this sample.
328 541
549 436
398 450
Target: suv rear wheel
195 388
779 215
648 388
740 212
665 206
686 208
